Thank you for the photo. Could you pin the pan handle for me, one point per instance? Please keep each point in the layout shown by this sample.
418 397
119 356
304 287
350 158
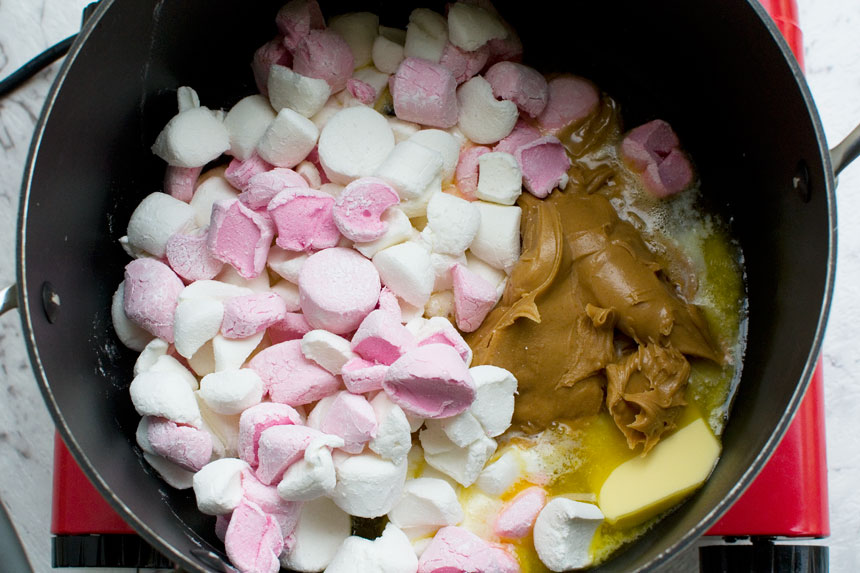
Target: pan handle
846 152
8 298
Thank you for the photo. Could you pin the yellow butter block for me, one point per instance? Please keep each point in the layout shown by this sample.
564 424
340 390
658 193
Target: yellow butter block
642 487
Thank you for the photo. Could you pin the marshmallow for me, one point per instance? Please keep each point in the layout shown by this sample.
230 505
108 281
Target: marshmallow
213 289
398 229
302 94
571 99
263 187
321 530
464 464
424 92
470 26
483 118
426 502
406 270
352 418
474 298
500 179
381 338
359 30
386 54
563 532
446 144
467 170
498 240
464 65
254 539
389 303
319 411
304 219
325 55
192 138
515 521
279 447
397 35
150 354
393 432
522 133
499 476
338 288
186 98
442 264
203 361
438 330
456 549
223 429
426 35
195 322
292 327
289 293
462 429
289 377
150 295
506 49
410 168
310 173
440 305
240 237
175 476
367 485
246 122
218 486
247 315
179 182
359 209
454 223
403 130
128 332
229 354
544 163
186 446
288 139
141 435
360 376
431 381
652 150
390 553
520 84
354 143
285 512
494 402
155 220
209 191
272 52
494 276
257 419
259 283
231 391
169 364
296 19
188 256
327 349
287 264
312 476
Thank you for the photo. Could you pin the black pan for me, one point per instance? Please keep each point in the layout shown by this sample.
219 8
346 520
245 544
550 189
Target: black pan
719 72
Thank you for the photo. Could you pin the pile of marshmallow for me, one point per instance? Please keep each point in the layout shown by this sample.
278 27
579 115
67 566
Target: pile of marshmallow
293 312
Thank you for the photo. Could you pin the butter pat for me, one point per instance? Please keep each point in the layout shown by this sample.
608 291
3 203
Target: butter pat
645 486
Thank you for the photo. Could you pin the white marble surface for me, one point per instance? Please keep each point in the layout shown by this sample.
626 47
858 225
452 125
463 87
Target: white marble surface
832 47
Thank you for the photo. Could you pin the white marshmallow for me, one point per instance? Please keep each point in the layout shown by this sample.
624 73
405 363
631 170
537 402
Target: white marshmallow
130 250
462 429
230 275
309 173
390 553
232 353
426 35
157 218
407 271
319 533
426 502
396 35
470 26
155 349
359 29
211 289
203 361
410 168
499 476
563 532
164 394
224 427
446 144
386 54
192 138
492 275
498 240
129 333
302 94
483 118
141 435
418 207
231 391
169 364
289 292
332 189
424 329
403 130
214 188
440 305
354 143
314 475
175 476
288 264
409 311
218 486
328 111
442 263
186 98
494 400
399 230
318 414
327 349
393 432
289 139
499 178
372 77
246 122
454 223
195 322
462 464
367 485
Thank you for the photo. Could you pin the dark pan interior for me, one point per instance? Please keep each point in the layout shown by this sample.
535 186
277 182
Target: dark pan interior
712 69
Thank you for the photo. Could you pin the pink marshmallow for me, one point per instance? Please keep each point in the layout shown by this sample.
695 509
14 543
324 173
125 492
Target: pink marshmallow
362 91
292 327
240 237
150 295
388 302
286 513
520 84
296 19
239 173
462 64
325 55
279 448
189 257
253 540
304 219
467 170
222 522
448 335
474 298
186 446
351 417
289 377
457 550
431 381
517 518
360 375
425 93
255 420
522 134
382 338
264 186
544 164
179 182
272 52
570 99
358 211
247 315
337 289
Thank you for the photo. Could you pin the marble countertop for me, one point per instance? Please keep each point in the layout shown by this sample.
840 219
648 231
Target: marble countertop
832 50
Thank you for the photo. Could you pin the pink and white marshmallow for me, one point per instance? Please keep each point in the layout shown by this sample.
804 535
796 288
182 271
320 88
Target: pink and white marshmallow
652 150
474 298
517 518
272 52
358 211
352 418
467 170
240 237
211 188
261 188
381 338
325 55
285 512
296 19
239 172
279 447
425 92
302 94
157 218
289 377
439 330
150 296
313 476
304 219
186 446
128 332
360 375
257 419
327 349
464 65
